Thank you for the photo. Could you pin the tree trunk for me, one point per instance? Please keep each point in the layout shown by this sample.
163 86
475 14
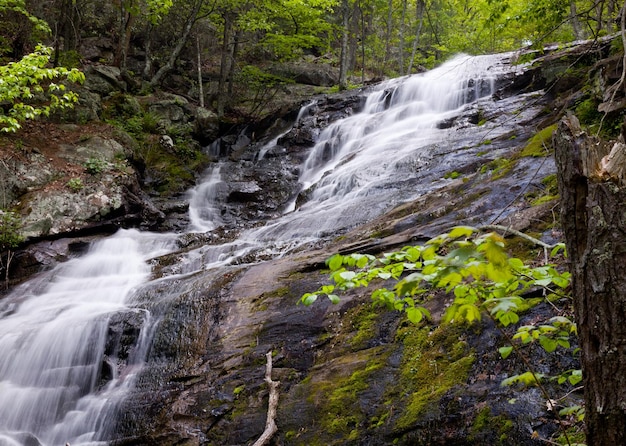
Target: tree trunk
363 38
200 83
401 49
224 65
343 64
388 34
233 59
419 14
147 68
593 206
165 69
578 33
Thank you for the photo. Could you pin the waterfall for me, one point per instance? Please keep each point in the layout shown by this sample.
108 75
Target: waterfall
370 161
203 214
57 379
53 333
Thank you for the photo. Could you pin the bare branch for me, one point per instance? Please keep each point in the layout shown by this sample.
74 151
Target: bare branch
270 425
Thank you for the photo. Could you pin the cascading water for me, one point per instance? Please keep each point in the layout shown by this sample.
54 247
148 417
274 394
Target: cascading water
53 330
203 213
371 161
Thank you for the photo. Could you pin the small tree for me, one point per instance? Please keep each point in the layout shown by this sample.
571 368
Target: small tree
29 87
10 238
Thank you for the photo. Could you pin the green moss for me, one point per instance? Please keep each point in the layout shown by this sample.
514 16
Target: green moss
452 175
170 172
540 144
487 427
340 415
498 167
363 320
550 191
433 363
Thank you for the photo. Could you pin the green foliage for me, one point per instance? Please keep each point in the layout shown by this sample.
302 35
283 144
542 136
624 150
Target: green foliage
94 166
474 268
10 225
28 87
19 6
75 184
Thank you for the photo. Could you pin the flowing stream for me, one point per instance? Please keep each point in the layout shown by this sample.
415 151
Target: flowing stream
58 382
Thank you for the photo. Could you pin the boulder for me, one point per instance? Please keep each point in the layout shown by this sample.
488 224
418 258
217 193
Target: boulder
307 73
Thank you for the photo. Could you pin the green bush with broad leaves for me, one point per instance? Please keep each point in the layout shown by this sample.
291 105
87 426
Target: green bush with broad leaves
476 270
30 87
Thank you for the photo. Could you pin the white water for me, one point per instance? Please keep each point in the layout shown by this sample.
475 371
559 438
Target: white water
393 140
52 341
53 329
204 214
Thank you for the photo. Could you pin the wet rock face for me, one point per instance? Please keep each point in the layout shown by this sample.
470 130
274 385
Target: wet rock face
349 373
258 189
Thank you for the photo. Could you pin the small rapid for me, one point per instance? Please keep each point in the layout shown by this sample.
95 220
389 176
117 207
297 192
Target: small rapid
58 380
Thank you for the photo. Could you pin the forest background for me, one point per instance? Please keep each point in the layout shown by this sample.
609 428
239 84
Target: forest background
235 45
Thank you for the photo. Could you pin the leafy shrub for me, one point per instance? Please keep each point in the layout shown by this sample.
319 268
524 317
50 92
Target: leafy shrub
76 184
10 225
95 166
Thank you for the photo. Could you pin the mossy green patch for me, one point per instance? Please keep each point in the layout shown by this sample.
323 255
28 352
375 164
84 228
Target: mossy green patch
498 167
363 319
550 191
494 430
341 416
540 144
452 175
434 361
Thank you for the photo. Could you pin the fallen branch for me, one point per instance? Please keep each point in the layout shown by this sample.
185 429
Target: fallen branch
270 424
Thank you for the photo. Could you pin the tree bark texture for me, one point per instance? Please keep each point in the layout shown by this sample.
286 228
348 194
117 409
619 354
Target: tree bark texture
593 214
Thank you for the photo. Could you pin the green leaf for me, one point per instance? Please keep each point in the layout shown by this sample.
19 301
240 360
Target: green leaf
308 299
558 248
347 275
461 231
548 344
469 312
516 264
414 315
575 377
361 260
505 351
526 379
333 298
384 275
335 262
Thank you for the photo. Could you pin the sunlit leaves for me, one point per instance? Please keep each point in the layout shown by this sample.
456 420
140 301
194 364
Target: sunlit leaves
27 87
476 271
526 379
505 351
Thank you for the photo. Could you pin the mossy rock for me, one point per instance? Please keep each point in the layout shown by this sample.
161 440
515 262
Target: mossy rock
434 361
540 144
